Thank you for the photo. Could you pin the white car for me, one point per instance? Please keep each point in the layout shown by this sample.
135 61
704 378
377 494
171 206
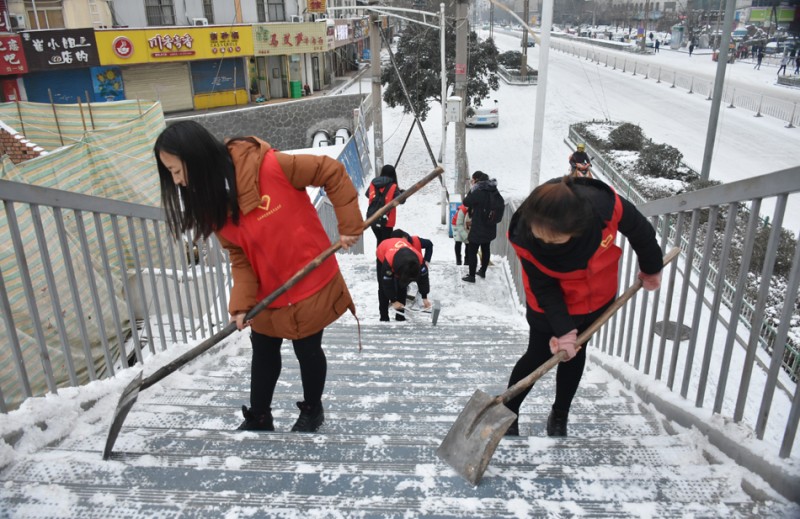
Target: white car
483 115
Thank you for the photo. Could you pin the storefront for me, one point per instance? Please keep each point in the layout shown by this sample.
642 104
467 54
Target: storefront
12 66
184 68
64 67
289 56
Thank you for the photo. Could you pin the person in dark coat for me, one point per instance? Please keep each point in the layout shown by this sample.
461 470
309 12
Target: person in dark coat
564 236
399 263
481 231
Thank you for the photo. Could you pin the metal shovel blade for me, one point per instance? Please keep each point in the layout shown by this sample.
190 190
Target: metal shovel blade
126 401
474 436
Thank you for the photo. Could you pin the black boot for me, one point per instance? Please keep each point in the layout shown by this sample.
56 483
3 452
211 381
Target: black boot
468 278
482 273
252 422
557 423
311 417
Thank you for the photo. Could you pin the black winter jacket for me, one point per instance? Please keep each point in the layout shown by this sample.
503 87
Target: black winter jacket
476 201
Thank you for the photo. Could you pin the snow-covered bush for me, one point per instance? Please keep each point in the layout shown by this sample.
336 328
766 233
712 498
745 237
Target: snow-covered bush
627 136
663 161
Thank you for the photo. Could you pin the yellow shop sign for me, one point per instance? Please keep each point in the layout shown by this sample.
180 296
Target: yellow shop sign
163 44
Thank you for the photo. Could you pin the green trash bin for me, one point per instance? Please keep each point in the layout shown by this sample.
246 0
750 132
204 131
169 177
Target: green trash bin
295 89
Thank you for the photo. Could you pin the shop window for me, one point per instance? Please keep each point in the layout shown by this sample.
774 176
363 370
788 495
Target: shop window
160 12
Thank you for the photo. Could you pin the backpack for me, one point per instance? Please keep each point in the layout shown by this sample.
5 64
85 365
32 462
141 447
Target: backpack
378 201
496 208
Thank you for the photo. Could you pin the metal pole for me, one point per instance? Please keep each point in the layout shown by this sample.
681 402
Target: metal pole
375 65
722 60
55 116
462 26
538 124
443 61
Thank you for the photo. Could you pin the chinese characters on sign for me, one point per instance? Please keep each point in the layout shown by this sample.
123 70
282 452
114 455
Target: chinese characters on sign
281 40
59 49
171 45
225 42
12 60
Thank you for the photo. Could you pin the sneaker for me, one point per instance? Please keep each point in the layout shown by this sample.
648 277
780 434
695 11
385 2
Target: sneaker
311 417
482 273
468 279
557 423
399 317
458 262
252 422
384 318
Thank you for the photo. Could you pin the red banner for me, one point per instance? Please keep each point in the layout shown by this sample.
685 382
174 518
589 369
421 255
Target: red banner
4 21
12 58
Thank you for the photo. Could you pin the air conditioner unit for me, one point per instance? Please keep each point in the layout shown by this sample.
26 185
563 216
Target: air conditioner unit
319 17
17 21
296 18
199 21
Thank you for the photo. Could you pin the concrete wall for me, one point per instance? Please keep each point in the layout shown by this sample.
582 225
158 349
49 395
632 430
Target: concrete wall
286 126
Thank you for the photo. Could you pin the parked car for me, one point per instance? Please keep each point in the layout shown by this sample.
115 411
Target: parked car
483 115
531 41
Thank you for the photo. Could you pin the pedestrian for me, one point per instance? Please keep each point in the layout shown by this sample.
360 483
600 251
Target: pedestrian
797 64
483 202
759 58
691 49
564 235
425 247
382 190
399 264
658 44
460 232
784 62
254 200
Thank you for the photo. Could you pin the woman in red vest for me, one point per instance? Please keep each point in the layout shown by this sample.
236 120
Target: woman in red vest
564 235
398 264
254 199
386 184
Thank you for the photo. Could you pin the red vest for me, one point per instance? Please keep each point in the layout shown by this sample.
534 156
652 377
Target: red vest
392 216
281 236
389 247
588 289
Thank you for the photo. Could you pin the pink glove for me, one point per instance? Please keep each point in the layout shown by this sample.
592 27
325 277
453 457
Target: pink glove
650 281
567 342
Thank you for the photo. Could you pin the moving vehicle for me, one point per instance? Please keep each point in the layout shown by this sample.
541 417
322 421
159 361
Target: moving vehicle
483 115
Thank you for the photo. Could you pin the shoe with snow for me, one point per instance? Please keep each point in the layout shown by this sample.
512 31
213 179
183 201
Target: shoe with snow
253 422
311 417
468 279
557 423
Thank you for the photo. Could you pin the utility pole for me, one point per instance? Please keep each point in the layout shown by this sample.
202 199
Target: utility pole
523 66
462 32
541 92
375 66
719 82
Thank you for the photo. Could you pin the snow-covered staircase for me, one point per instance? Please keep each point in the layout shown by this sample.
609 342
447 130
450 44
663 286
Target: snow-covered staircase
387 410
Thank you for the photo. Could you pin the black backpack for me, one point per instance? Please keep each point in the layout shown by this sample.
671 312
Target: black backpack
496 208
378 201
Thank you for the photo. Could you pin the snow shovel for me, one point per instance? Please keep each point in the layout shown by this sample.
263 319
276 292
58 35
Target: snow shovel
131 392
473 438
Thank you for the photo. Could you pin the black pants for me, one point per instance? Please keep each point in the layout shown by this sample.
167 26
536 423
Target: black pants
471 256
381 233
568 374
266 369
383 297
458 252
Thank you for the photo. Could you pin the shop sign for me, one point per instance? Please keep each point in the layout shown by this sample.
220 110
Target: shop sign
317 6
165 44
60 49
290 38
12 59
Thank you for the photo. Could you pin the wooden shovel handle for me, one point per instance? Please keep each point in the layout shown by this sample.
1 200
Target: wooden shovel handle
561 356
201 348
